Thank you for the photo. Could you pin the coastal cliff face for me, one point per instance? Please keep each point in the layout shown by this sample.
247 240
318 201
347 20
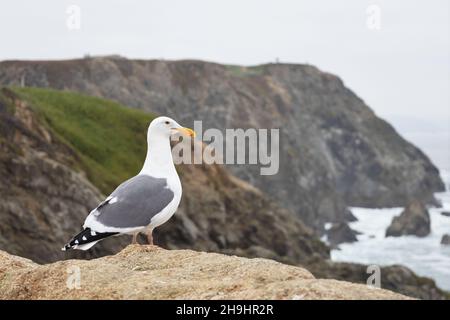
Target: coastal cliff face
48 188
334 151
47 195
43 198
148 272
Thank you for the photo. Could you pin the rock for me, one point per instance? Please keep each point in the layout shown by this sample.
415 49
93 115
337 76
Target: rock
232 217
44 200
349 216
445 239
396 278
334 150
341 233
149 272
445 213
414 220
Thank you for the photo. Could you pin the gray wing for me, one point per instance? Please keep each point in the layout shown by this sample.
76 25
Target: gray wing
135 202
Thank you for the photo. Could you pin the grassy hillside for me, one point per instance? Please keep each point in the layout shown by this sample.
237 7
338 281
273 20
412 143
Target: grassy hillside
109 138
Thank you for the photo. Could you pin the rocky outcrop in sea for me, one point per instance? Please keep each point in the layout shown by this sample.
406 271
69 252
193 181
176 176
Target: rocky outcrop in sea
414 220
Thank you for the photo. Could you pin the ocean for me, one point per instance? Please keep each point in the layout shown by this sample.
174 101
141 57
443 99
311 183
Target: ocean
425 256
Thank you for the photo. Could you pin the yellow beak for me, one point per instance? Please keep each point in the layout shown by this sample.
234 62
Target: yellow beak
186 131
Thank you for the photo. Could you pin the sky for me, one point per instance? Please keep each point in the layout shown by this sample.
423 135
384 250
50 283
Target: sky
394 54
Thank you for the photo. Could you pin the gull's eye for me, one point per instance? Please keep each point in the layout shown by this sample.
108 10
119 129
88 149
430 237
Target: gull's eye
167 122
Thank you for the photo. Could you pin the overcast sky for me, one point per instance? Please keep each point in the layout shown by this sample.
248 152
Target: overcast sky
401 70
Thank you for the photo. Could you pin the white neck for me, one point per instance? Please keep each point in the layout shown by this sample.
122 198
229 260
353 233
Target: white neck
158 162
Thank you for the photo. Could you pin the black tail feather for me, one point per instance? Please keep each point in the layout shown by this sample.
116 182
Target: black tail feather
86 236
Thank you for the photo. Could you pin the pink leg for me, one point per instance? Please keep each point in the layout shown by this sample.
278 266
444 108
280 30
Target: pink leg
150 237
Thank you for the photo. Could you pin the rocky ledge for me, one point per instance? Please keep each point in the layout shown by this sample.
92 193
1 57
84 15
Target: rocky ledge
149 272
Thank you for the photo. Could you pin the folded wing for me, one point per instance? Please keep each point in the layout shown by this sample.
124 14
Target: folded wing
132 205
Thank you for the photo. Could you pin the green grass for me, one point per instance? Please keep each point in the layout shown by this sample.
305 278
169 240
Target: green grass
6 104
241 71
109 139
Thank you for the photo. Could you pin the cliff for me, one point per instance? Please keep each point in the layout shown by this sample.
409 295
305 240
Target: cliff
52 166
61 151
334 151
149 272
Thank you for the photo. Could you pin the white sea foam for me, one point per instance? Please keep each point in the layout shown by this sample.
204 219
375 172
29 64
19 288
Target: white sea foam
426 256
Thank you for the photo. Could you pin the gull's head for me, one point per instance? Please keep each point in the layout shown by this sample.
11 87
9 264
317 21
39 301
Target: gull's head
165 127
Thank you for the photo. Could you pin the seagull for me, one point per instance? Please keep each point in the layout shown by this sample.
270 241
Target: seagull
144 201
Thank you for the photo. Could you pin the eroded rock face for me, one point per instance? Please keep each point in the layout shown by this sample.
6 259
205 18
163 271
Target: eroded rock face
222 213
149 272
334 151
44 201
414 220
